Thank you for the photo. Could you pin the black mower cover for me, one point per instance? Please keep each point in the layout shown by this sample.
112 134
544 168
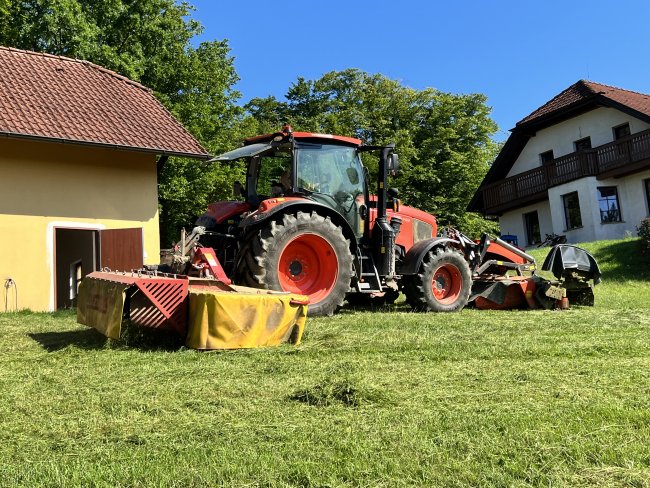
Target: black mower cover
566 258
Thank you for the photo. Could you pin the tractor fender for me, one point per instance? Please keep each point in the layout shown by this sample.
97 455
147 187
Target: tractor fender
414 257
274 207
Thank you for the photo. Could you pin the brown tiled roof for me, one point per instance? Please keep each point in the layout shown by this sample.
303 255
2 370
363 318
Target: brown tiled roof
58 98
583 91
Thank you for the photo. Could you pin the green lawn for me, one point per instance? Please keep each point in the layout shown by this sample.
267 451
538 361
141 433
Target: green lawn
519 398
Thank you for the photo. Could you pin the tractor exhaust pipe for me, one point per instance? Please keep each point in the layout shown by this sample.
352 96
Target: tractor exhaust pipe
384 233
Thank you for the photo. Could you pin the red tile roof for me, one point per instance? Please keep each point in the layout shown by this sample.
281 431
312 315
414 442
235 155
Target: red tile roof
58 98
584 90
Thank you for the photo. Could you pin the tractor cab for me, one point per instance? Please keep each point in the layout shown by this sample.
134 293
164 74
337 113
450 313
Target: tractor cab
316 167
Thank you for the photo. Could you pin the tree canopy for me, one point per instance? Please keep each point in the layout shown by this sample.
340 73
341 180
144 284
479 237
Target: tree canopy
444 140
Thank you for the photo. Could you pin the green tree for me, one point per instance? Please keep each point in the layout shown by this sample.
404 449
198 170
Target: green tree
148 41
443 139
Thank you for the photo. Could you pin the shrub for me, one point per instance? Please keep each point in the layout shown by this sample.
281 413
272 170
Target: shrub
474 225
644 233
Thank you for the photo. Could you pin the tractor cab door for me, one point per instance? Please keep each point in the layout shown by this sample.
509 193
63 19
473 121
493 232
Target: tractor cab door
332 175
268 167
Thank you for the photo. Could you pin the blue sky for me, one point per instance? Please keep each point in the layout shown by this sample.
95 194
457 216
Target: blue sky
518 53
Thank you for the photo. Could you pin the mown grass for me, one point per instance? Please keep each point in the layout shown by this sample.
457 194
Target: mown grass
479 398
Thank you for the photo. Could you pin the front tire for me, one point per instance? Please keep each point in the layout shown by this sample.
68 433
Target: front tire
303 253
442 284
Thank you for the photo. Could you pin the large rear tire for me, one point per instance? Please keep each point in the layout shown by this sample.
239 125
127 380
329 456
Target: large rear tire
303 253
442 284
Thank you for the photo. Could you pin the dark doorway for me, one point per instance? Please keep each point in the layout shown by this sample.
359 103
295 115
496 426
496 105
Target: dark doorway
76 255
79 252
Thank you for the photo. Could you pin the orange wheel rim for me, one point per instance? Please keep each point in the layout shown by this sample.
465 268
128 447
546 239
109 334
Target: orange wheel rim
446 283
308 265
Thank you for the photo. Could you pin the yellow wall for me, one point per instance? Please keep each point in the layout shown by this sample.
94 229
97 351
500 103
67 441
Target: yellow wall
45 185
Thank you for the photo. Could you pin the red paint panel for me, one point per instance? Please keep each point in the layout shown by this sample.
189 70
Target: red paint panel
305 135
221 211
270 203
407 214
207 257
520 293
121 249
504 254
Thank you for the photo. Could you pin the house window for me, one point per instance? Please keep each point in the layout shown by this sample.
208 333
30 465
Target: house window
621 131
582 144
546 157
646 185
533 235
610 211
572 217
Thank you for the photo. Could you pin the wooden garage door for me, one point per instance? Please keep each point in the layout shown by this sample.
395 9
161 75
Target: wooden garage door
121 249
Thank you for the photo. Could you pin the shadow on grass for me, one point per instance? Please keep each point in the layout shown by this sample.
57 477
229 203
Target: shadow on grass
133 338
623 260
84 339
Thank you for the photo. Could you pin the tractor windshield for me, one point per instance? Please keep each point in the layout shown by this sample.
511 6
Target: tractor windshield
332 174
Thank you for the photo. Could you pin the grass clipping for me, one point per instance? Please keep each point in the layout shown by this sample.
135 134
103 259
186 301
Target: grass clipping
341 386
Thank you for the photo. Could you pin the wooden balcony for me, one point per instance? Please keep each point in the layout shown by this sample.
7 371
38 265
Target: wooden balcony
612 160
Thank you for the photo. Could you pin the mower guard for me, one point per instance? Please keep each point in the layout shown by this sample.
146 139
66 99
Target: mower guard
243 318
571 265
564 258
106 298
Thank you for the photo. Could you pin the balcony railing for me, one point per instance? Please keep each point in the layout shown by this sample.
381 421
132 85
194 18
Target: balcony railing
607 160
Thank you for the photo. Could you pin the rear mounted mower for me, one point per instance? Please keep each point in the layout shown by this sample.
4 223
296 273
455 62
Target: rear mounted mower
205 309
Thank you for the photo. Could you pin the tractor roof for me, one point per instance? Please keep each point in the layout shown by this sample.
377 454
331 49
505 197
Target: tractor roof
303 135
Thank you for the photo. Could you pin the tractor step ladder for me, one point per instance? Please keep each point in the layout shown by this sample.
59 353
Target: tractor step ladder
369 280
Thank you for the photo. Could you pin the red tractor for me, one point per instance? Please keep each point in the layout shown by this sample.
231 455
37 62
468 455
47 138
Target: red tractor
308 224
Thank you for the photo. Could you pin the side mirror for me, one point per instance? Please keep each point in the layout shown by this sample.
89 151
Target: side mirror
393 164
353 175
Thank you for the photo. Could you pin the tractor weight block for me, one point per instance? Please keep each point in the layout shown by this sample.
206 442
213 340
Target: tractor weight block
555 292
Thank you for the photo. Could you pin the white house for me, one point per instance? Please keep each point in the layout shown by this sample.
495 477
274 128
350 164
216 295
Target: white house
579 165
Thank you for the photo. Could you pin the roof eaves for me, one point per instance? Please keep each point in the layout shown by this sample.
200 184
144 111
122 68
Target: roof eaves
150 150
550 118
625 108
